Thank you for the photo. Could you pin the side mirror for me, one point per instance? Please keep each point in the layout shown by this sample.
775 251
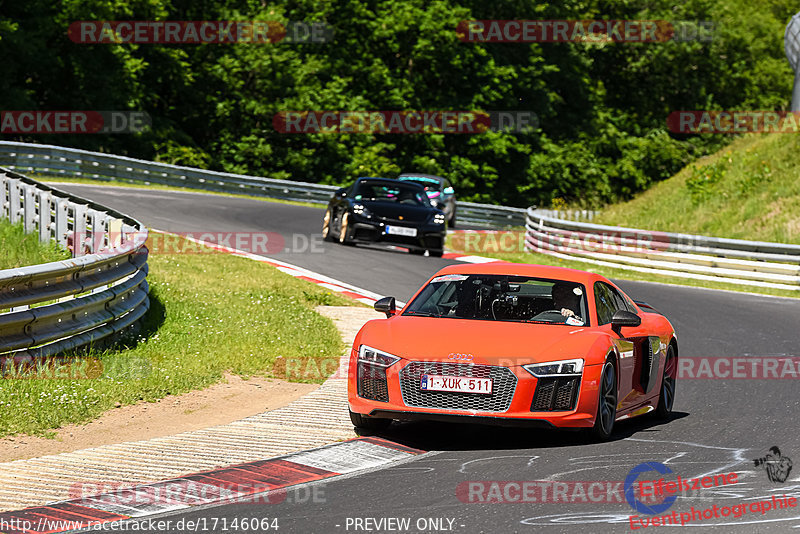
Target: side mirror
624 318
340 192
386 305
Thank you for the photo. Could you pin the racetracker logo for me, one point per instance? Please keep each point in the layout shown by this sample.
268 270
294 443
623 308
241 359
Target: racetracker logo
190 493
582 31
404 122
52 368
74 122
739 368
733 122
198 32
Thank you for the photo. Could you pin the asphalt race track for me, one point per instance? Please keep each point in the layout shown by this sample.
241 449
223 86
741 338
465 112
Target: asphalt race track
719 425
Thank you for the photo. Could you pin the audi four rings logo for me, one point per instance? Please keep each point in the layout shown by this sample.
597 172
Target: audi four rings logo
458 356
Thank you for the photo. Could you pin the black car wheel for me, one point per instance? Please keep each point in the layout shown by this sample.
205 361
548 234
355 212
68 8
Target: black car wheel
606 403
369 423
452 222
436 253
667 397
326 226
344 230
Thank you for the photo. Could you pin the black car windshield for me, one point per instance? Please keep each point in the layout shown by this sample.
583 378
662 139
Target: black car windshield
430 184
399 193
502 298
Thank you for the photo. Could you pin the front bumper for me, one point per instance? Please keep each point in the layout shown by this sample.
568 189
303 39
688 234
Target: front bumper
396 403
429 236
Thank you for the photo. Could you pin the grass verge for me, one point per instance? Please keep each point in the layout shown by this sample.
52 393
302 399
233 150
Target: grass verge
748 190
18 249
210 314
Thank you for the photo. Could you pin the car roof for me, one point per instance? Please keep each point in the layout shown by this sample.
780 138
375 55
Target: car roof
387 181
524 269
421 175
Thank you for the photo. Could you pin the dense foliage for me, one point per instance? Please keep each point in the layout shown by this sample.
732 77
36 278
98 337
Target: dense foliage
602 107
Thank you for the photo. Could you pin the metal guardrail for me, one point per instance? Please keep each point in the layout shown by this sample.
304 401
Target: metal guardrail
60 161
53 307
754 263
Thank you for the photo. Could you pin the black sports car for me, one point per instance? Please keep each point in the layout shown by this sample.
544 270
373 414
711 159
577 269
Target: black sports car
440 193
381 210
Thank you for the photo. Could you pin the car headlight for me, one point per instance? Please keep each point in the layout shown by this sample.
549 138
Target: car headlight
558 368
438 218
376 357
360 209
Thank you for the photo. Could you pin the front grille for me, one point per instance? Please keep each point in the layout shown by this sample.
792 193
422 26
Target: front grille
433 241
372 382
557 394
504 382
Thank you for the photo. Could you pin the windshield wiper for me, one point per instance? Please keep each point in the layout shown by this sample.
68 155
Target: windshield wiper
422 314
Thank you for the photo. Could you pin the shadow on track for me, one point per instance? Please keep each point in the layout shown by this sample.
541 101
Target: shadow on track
438 436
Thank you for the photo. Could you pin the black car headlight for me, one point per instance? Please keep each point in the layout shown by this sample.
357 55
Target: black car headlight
557 368
360 209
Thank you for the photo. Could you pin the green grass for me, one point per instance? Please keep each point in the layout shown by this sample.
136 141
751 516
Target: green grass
18 249
210 314
511 250
748 190
161 187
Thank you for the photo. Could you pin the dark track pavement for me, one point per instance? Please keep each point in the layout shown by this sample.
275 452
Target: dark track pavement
719 425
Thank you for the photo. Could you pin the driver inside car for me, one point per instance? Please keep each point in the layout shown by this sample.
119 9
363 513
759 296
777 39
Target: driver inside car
566 300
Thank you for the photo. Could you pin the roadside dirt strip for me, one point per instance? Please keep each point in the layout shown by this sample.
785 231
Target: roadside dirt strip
103 483
317 419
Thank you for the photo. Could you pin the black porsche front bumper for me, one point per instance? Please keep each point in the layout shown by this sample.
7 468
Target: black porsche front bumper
429 236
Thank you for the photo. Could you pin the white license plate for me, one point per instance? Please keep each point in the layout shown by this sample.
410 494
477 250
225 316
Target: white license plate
456 384
401 230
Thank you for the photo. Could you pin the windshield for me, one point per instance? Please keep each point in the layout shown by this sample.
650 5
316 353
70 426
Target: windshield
502 298
398 193
430 184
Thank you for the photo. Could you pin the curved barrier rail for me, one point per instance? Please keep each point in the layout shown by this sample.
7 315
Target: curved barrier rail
754 263
53 307
60 161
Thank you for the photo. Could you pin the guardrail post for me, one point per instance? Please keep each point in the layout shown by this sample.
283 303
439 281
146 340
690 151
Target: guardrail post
61 221
45 217
29 219
14 201
79 229
4 185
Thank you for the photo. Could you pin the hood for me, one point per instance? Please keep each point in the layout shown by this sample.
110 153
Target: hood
488 342
391 210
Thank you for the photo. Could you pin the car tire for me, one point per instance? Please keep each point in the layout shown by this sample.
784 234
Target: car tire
369 423
417 251
344 230
326 226
452 222
666 398
436 253
606 403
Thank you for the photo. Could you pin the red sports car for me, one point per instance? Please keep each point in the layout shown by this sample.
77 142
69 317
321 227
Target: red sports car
511 344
